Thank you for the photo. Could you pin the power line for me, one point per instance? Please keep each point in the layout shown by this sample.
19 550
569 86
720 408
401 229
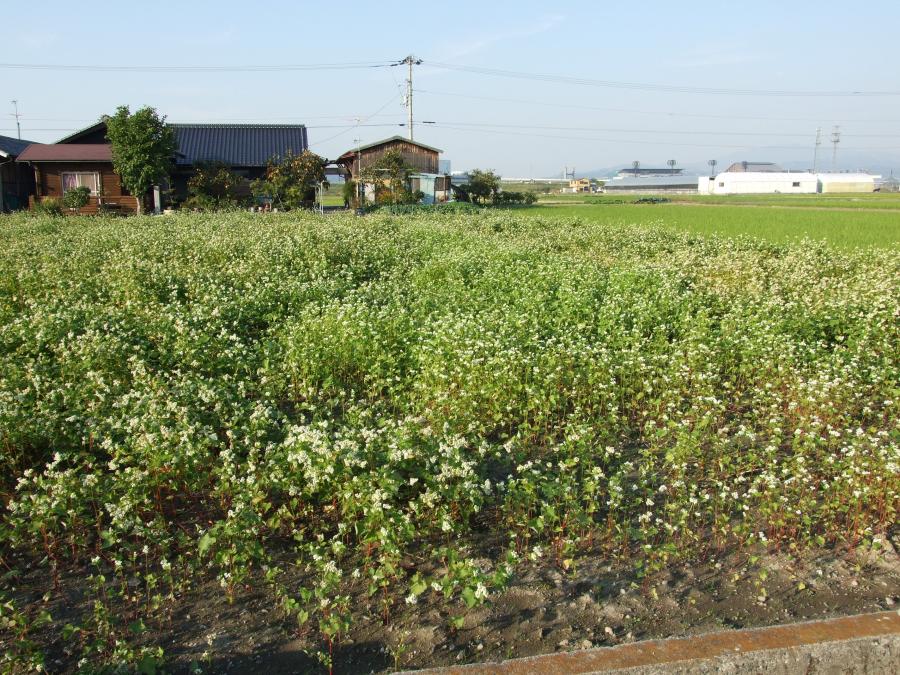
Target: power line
642 112
198 68
679 132
359 120
642 86
631 141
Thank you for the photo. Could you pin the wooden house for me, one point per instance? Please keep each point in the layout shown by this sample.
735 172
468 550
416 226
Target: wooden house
84 158
60 167
16 181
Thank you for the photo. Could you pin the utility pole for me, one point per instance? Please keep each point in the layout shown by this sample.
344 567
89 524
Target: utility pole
360 189
16 115
835 138
816 151
410 61
712 168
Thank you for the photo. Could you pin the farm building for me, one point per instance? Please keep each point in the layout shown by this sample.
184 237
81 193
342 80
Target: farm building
770 178
759 182
674 183
84 158
424 159
16 181
846 182
421 157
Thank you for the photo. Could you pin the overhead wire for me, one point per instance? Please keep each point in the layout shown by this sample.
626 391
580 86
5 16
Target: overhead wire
663 113
197 68
645 86
630 141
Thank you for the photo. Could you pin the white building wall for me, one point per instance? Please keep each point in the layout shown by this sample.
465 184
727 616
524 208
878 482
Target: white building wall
761 182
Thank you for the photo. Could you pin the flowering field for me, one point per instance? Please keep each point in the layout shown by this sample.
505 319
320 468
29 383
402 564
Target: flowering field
359 419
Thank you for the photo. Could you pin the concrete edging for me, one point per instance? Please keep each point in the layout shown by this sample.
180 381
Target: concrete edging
865 643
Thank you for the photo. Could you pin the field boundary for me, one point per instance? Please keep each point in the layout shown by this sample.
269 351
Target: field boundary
849 638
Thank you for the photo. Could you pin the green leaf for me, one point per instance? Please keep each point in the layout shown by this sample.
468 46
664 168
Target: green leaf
206 541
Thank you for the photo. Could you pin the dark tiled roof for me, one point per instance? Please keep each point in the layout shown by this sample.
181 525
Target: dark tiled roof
12 146
237 144
77 152
96 127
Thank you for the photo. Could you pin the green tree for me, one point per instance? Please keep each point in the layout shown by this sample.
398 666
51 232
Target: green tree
389 175
142 148
291 180
213 186
483 185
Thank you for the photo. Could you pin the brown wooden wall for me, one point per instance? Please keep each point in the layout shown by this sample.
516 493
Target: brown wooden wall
419 158
48 179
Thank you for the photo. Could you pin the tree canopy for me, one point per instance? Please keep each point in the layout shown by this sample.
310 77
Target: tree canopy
142 148
291 180
483 185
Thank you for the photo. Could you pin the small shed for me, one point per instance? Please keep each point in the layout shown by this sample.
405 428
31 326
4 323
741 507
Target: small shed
16 180
422 158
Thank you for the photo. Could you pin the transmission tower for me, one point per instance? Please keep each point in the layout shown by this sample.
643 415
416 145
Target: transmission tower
816 151
835 138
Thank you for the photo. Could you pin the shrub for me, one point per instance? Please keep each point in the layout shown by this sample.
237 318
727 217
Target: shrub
511 198
49 206
76 198
213 186
290 181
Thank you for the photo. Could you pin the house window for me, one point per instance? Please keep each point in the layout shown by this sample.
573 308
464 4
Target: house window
796 183
721 184
72 180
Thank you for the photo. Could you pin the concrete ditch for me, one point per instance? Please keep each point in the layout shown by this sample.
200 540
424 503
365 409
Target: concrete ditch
865 644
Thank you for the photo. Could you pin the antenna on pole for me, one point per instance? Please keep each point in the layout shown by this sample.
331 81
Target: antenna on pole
409 61
835 138
816 151
16 115
672 164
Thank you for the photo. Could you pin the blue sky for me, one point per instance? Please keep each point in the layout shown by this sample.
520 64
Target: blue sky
516 126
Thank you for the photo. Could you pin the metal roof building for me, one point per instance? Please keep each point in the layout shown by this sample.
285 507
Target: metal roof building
637 184
238 145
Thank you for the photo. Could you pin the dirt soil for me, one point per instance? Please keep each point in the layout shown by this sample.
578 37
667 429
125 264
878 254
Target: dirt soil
545 609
